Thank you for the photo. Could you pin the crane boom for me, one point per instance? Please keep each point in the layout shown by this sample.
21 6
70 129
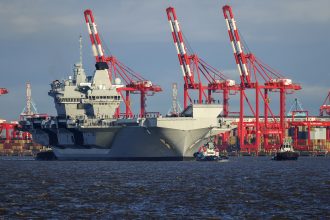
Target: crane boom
234 37
94 36
179 45
195 70
325 107
135 83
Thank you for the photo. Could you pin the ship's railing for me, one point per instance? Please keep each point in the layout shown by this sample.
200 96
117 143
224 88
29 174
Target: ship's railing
92 123
146 115
53 122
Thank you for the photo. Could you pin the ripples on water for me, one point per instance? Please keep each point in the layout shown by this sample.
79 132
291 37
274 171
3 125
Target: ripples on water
245 187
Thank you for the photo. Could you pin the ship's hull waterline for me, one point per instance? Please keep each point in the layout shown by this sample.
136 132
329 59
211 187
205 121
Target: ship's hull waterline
124 143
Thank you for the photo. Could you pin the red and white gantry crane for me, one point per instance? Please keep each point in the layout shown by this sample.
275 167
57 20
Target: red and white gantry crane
134 82
257 75
194 70
325 107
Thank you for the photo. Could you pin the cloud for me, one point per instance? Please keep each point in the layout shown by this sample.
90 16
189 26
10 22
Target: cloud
232 74
28 18
310 91
312 96
67 21
282 12
25 24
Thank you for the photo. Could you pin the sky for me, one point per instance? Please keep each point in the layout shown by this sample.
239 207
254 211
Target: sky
39 42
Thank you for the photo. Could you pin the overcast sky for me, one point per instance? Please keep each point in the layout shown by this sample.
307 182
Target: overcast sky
39 43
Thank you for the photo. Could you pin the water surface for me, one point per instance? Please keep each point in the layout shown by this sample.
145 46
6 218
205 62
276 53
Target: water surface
243 187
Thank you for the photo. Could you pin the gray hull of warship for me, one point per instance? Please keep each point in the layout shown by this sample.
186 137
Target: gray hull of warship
168 138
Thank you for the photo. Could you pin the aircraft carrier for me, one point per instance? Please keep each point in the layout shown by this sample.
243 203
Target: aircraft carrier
85 127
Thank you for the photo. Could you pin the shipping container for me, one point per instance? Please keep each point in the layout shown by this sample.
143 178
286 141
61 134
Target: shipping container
291 131
232 140
318 133
302 135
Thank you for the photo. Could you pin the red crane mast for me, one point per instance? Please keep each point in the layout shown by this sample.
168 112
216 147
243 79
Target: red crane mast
135 83
194 69
251 70
235 41
325 107
184 60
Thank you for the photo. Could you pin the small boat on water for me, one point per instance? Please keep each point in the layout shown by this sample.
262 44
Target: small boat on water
46 155
209 152
286 152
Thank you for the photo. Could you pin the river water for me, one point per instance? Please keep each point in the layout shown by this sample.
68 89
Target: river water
243 187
